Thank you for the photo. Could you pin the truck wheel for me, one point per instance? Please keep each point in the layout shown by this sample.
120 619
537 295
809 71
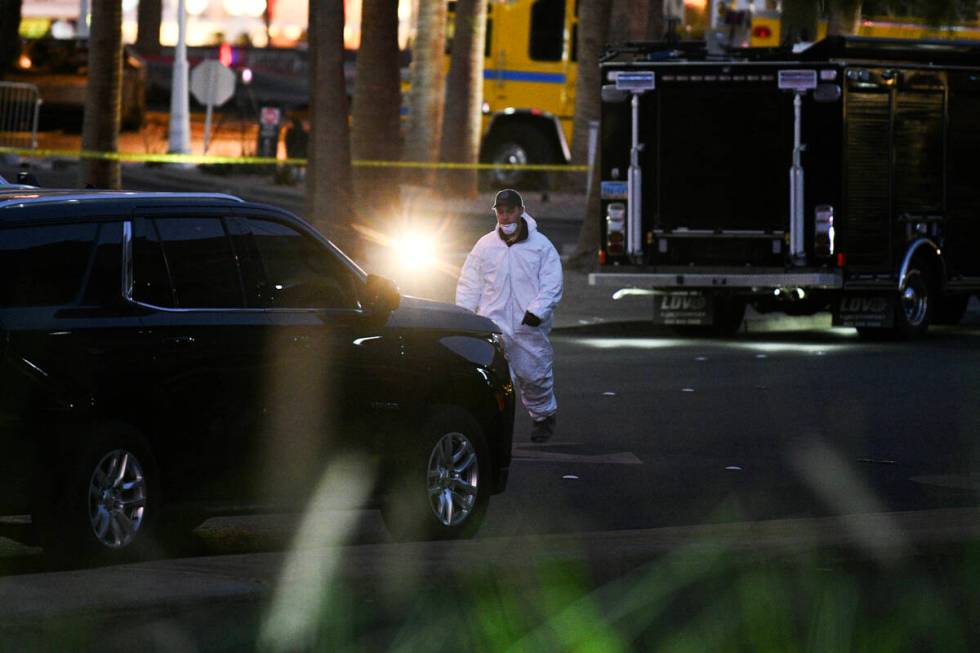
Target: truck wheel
518 147
915 302
443 490
729 312
105 496
729 315
950 309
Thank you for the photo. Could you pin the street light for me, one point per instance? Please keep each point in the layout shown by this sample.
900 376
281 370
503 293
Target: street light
179 135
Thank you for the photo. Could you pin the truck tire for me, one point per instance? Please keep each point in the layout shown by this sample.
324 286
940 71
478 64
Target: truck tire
916 302
516 145
729 313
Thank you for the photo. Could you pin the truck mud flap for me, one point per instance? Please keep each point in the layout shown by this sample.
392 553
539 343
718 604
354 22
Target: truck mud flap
683 308
867 309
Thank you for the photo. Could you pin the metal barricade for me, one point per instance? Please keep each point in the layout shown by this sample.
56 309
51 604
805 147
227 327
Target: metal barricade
20 105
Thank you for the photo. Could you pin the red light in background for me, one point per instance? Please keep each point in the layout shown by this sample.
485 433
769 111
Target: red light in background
602 257
761 32
841 259
225 54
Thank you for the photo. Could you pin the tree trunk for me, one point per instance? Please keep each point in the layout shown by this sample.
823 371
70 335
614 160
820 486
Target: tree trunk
464 97
629 20
103 96
376 120
593 28
845 16
425 100
328 175
10 12
148 19
655 21
633 20
798 21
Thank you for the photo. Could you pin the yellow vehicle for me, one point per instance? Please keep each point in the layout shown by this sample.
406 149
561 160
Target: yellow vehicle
765 29
528 85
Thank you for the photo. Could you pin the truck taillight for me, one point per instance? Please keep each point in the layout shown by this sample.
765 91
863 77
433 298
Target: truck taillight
616 229
823 231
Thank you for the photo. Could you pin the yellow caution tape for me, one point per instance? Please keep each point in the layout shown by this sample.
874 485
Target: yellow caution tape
198 159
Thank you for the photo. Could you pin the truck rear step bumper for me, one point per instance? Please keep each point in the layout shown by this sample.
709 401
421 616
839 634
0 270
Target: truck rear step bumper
717 281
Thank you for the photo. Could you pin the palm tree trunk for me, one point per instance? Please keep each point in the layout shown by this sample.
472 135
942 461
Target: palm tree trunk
376 121
798 21
593 29
425 100
328 176
103 97
655 21
10 12
845 16
464 97
148 19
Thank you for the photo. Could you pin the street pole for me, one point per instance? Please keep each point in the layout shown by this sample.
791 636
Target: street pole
180 119
83 14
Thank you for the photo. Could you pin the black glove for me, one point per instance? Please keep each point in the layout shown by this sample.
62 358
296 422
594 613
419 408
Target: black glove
531 319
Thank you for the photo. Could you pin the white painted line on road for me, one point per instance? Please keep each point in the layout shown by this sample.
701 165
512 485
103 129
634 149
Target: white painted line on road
569 477
608 394
539 456
761 356
701 358
950 481
733 468
687 389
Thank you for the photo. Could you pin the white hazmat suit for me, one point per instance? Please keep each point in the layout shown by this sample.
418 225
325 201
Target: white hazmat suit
503 282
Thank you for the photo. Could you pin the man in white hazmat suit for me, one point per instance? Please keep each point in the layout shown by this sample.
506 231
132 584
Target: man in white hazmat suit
513 276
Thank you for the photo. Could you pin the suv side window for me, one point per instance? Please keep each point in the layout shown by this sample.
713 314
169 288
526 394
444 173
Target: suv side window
151 279
201 263
104 284
44 265
295 271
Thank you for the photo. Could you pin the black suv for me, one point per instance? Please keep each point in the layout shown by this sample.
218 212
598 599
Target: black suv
166 357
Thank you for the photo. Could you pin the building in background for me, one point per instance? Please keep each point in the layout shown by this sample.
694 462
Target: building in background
212 21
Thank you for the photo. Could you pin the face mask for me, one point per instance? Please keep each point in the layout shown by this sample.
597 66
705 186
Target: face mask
509 229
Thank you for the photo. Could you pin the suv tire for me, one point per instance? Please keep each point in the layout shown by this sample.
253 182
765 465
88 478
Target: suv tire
104 505
445 489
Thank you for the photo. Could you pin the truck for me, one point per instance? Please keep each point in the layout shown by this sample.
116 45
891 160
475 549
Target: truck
842 178
529 75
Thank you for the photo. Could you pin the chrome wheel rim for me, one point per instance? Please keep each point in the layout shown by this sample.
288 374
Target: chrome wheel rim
915 299
117 499
509 154
453 479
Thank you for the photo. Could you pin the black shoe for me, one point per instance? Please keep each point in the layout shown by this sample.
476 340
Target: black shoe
543 429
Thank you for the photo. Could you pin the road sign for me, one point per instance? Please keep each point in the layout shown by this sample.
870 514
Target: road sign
797 80
212 83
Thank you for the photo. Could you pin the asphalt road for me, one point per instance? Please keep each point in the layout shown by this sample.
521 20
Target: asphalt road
779 490
803 456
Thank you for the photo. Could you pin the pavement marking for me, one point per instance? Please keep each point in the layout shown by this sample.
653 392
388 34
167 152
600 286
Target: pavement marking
540 456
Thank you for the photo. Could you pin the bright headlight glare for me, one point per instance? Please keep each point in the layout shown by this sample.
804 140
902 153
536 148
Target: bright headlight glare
414 251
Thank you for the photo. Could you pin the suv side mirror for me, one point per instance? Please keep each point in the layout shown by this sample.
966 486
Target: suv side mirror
381 295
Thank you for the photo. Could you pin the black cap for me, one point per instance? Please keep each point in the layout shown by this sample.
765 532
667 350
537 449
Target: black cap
508 197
